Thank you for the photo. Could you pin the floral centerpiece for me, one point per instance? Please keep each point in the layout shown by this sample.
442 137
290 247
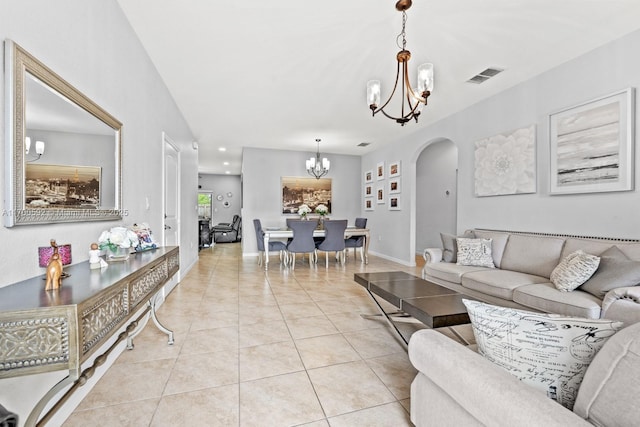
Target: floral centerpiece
118 240
303 210
322 210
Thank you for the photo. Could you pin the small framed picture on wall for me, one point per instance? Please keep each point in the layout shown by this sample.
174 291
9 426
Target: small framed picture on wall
368 204
368 190
394 169
394 202
368 176
380 171
394 186
380 195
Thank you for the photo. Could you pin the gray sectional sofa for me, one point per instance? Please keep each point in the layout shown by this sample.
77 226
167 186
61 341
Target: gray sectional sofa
523 265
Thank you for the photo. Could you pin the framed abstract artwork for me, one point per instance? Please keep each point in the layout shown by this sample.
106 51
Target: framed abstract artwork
591 145
506 163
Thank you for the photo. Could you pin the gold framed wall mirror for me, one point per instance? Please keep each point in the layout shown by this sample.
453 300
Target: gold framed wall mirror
63 151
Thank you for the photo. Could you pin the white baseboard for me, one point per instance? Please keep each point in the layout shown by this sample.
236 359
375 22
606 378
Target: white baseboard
389 258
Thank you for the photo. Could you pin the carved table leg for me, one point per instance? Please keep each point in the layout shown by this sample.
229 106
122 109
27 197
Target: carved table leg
35 412
151 304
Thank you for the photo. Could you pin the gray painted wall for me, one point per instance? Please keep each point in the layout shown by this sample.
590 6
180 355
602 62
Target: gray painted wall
608 69
91 45
222 185
436 172
261 172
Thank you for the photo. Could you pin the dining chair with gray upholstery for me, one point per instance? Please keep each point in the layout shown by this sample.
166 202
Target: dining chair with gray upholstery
357 241
302 241
333 239
273 245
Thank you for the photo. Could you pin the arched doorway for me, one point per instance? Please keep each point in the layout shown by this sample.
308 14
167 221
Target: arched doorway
436 193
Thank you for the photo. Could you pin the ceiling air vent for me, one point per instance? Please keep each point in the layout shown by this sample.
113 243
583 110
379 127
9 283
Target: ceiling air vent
364 144
485 75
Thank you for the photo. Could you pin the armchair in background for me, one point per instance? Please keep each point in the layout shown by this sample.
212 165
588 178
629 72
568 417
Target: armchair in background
226 233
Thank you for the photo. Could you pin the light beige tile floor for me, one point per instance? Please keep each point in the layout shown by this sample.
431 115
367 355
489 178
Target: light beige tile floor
282 348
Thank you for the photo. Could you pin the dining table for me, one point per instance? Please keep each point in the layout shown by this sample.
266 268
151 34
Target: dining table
287 233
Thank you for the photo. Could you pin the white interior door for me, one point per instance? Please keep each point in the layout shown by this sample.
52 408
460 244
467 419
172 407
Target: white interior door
171 193
171 205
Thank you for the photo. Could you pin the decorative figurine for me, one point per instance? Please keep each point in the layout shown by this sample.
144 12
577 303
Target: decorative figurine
54 269
94 257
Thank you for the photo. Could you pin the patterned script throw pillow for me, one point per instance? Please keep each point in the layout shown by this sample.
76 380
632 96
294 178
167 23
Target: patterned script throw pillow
475 252
575 269
549 352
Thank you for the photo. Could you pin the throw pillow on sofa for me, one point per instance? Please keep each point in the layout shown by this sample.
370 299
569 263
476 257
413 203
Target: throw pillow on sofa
474 252
616 270
547 351
450 246
575 269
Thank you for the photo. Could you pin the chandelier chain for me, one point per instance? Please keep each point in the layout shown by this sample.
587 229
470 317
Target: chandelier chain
402 33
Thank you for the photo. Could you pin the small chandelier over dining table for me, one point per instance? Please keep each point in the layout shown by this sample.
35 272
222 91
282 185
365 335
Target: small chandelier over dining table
412 100
317 167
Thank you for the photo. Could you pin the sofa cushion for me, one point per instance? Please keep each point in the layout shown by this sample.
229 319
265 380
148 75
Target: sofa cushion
549 352
537 255
498 243
449 271
610 388
632 250
450 246
474 252
498 283
545 297
575 269
595 247
616 271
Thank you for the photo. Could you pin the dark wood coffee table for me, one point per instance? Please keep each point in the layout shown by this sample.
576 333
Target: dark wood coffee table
430 303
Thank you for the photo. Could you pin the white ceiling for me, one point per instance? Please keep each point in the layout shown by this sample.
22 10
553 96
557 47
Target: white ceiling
280 73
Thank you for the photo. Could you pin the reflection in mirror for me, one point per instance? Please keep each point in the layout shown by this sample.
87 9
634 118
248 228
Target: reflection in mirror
64 163
79 150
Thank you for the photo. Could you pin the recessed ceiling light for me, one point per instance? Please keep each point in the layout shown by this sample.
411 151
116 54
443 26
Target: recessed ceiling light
225 163
227 172
222 149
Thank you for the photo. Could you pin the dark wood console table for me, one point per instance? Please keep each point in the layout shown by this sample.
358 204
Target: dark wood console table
431 304
43 331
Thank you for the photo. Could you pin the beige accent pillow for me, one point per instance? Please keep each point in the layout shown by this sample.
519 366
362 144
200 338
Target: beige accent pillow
474 252
546 351
575 269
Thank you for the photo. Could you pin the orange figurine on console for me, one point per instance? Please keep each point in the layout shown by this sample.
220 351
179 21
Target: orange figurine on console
54 269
